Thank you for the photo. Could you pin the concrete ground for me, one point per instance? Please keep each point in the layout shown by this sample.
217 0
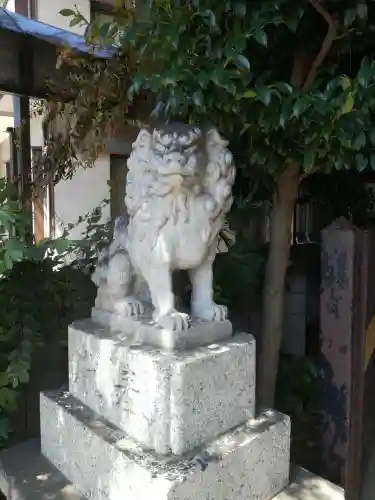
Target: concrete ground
26 475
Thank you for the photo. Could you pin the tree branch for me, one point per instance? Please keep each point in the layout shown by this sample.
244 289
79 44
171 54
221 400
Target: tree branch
322 11
327 42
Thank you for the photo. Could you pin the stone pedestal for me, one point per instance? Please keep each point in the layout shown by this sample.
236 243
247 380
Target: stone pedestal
142 422
168 402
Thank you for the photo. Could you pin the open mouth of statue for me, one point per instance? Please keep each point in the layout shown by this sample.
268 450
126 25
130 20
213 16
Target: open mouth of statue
177 173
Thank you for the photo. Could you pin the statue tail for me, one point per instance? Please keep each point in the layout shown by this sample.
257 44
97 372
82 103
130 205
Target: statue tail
118 248
121 227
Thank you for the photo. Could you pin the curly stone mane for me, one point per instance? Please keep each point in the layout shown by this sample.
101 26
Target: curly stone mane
151 150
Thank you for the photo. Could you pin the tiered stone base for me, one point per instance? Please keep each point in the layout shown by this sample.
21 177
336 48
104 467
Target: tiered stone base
251 462
142 423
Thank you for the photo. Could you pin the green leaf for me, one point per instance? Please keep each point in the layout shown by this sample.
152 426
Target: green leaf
4 379
309 159
264 95
300 106
203 78
284 88
221 78
348 105
346 82
61 245
372 161
4 428
362 162
244 128
250 94
292 24
366 73
210 18
261 37
24 377
6 217
8 399
198 98
241 62
240 9
15 249
75 21
67 12
8 263
360 141
104 30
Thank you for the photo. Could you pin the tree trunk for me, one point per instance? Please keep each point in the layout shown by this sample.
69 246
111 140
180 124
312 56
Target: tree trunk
273 296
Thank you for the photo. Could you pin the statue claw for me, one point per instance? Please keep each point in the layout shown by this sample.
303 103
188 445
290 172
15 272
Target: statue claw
129 307
174 321
215 312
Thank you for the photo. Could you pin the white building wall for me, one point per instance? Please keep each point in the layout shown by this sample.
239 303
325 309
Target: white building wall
10 5
87 188
48 12
81 194
6 120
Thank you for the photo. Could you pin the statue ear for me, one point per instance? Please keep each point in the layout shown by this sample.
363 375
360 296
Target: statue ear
144 138
214 137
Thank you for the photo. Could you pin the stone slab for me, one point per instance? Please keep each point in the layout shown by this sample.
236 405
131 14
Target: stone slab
251 462
308 486
25 474
169 402
145 331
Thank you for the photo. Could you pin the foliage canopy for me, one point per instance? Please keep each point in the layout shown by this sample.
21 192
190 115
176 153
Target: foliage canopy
295 83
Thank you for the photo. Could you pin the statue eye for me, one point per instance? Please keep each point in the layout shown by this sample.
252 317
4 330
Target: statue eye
160 148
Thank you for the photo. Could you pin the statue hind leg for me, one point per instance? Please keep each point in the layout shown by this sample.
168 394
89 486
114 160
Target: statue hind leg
118 293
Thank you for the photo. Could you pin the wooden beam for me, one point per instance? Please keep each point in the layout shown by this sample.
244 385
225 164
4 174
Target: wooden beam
21 107
118 170
38 198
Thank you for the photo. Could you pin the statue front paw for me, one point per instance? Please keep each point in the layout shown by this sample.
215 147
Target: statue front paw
213 312
173 321
129 307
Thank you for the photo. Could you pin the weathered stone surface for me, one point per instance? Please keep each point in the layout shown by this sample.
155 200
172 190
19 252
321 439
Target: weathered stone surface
145 331
26 475
178 191
169 402
250 462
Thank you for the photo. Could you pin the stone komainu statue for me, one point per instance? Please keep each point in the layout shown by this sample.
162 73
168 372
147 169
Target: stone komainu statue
179 188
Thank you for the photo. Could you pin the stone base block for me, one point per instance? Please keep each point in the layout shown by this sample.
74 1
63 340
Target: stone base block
169 402
248 463
26 475
145 331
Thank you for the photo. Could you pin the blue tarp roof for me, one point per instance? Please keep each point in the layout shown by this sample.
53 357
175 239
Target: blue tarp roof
11 21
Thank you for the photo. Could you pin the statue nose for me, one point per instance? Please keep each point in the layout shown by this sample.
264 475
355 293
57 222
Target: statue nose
177 158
